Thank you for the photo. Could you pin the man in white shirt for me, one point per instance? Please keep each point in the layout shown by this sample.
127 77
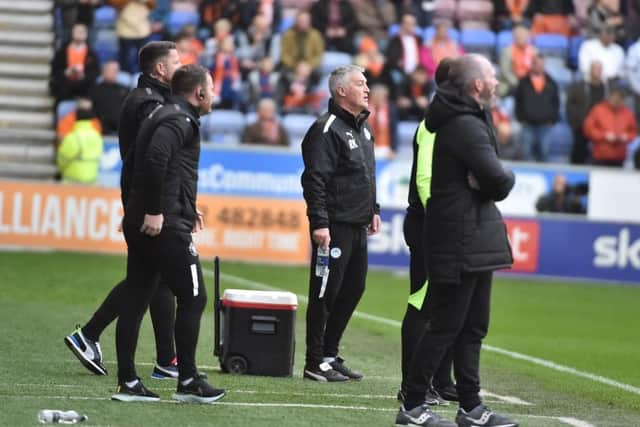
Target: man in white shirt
633 70
602 49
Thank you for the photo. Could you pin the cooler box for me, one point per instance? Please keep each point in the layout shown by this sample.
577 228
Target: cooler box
257 332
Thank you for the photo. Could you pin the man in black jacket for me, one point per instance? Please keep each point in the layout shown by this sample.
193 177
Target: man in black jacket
339 186
466 240
157 225
158 61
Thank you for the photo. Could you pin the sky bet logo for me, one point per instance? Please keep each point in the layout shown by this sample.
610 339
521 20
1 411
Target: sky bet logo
617 251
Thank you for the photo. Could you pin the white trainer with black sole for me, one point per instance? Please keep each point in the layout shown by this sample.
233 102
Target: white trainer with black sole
87 351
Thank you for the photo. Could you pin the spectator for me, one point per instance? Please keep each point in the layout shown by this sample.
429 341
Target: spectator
375 17
581 97
382 122
75 67
375 69
266 130
633 68
263 82
562 198
301 43
271 10
107 97
257 43
605 50
508 149
403 50
212 11
189 48
632 20
226 76
159 15
440 47
610 126
73 11
337 22
421 9
515 61
79 153
537 109
133 28
414 95
221 30
510 13
605 14
551 16
297 91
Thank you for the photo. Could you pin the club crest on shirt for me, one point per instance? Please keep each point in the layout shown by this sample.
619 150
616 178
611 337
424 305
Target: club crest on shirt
336 252
192 249
367 134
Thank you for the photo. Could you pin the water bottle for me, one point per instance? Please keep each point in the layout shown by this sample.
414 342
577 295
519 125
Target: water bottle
322 262
54 416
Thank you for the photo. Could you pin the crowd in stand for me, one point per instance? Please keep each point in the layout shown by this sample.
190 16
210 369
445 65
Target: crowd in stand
569 69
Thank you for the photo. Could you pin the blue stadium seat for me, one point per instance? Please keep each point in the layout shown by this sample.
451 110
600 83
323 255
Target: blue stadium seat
331 60
552 45
574 48
223 126
179 18
104 17
106 45
559 140
64 108
393 30
406 131
285 23
123 79
297 126
559 73
429 32
504 39
479 41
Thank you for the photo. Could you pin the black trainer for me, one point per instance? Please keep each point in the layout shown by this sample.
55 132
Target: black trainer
323 373
421 416
481 416
431 397
338 365
136 393
87 351
448 392
197 391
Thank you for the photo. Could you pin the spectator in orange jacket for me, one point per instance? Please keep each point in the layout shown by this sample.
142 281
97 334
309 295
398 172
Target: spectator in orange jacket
611 126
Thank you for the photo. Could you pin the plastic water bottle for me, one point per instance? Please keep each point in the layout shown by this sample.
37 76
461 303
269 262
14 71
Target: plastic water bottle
54 416
322 262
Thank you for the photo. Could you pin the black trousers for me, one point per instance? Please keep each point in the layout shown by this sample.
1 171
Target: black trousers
327 317
460 319
163 316
415 321
171 255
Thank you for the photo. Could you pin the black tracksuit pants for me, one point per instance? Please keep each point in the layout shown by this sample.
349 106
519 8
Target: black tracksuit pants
327 317
459 319
162 309
415 321
170 255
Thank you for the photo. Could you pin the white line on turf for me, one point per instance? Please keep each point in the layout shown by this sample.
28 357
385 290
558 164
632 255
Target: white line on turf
506 399
570 421
514 355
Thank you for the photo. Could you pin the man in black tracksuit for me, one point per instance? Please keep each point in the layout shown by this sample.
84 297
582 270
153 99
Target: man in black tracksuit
158 61
339 188
158 222
466 240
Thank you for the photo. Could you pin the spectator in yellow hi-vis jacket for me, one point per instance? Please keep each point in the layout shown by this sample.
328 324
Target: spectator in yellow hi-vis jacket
79 153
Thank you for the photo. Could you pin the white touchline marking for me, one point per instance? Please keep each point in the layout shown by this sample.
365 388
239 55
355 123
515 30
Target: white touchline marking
515 355
571 421
507 399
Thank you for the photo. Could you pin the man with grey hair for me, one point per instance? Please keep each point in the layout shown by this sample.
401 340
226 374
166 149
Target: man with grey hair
466 241
339 187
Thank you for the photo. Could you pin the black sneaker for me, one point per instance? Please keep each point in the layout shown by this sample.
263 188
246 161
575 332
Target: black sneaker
338 365
324 373
137 393
448 392
433 398
87 351
481 416
197 391
421 416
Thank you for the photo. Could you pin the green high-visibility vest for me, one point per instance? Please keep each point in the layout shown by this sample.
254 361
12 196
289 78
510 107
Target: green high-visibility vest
79 153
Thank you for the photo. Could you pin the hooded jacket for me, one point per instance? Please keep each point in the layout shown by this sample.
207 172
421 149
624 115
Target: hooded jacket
464 228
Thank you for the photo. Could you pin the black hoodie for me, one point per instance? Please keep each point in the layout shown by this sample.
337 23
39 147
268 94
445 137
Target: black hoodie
465 230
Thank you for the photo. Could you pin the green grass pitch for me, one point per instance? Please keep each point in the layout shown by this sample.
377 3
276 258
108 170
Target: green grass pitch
588 335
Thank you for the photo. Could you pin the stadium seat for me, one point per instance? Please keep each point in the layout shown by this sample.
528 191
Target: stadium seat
297 126
64 108
106 45
223 127
393 30
552 45
504 39
285 23
331 60
559 140
179 18
559 73
104 17
479 41
574 48
406 130
429 32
